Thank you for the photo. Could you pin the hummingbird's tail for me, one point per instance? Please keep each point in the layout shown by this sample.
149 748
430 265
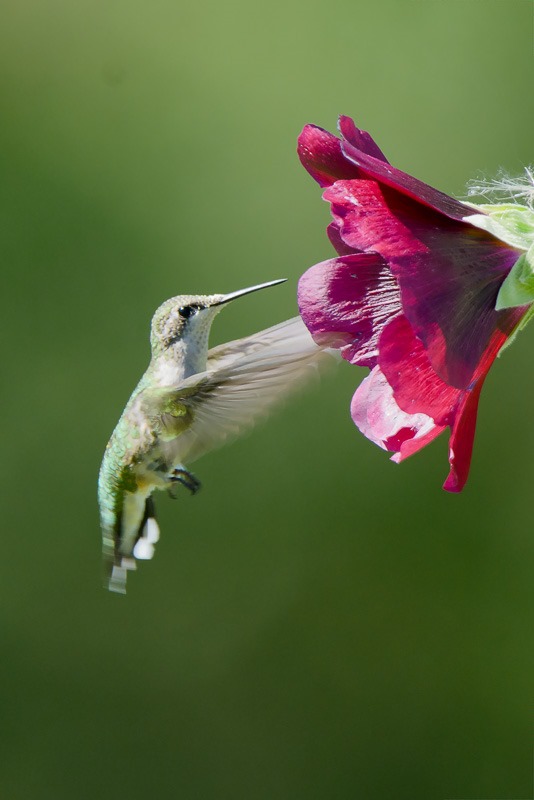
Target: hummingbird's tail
147 533
138 533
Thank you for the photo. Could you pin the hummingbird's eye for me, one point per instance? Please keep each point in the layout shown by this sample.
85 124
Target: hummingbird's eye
187 311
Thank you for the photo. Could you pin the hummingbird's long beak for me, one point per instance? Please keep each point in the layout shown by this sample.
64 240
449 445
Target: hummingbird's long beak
233 295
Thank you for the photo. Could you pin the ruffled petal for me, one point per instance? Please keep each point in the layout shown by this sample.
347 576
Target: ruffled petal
359 139
417 390
320 153
416 386
338 243
380 170
449 273
462 439
463 429
352 297
449 296
378 416
366 222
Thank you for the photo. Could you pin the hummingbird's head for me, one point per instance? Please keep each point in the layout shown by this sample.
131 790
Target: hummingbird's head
186 319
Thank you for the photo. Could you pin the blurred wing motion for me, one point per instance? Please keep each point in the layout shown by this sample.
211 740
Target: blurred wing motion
243 381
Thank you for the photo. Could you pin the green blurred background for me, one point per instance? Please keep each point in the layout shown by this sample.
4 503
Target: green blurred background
318 622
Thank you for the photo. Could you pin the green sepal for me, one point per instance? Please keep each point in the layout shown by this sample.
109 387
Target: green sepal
510 222
518 286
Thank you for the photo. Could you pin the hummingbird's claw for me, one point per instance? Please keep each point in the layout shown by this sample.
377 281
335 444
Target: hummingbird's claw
186 478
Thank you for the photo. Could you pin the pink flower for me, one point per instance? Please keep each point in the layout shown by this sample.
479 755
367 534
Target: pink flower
412 295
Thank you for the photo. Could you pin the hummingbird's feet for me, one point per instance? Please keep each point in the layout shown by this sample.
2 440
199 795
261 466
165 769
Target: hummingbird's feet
186 478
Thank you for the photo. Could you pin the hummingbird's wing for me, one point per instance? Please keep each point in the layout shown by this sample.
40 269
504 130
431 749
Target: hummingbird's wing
224 354
244 380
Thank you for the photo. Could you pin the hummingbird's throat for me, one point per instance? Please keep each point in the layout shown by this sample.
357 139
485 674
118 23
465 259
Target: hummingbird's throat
189 354
194 343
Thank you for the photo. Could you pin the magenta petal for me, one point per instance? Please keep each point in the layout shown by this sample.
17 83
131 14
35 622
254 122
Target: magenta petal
383 172
449 273
366 222
463 430
328 159
359 139
417 388
338 243
449 296
354 297
320 153
462 439
378 416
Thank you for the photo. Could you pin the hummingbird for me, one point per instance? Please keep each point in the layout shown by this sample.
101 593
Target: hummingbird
190 400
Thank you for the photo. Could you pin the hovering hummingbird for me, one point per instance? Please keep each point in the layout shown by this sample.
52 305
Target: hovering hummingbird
189 401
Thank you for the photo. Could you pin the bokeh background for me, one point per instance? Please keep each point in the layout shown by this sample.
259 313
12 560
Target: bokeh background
318 622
